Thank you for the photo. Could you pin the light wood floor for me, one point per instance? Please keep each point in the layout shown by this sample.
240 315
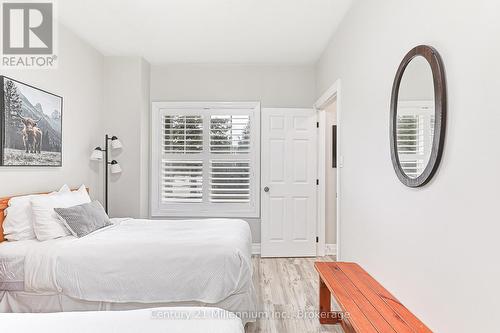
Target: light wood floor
287 287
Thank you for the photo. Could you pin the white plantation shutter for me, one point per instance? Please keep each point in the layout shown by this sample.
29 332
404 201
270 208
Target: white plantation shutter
182 134
412 167
230 134
433 123
410 140
410 134
415 133
230 181
182 181
206 159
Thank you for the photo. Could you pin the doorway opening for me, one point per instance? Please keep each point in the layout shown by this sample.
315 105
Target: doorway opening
331 178
329 171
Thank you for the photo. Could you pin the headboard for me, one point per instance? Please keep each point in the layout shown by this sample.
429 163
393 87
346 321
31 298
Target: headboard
4 203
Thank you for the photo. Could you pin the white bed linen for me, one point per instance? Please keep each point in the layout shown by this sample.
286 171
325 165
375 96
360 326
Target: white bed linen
26 302
171 320
12 256
148 261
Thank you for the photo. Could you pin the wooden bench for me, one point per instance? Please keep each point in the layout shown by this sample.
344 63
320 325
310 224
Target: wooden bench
366 305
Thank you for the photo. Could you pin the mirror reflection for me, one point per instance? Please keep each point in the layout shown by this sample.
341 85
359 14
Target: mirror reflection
415 117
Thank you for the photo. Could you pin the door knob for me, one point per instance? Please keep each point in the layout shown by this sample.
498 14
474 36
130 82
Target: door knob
266 189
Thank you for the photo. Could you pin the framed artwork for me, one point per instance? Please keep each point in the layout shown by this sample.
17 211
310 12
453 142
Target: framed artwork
334 146
30 125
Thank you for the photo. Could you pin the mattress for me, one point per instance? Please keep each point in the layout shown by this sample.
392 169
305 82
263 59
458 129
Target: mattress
172 320
12 255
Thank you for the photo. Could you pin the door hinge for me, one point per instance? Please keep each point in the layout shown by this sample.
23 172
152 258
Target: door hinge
317 124
317 239
317 181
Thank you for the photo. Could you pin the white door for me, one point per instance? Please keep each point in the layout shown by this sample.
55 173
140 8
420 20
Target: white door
289 164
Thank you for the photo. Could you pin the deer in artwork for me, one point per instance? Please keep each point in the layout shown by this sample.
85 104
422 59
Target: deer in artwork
32 135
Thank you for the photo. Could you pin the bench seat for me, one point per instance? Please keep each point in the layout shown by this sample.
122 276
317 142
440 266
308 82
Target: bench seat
366 306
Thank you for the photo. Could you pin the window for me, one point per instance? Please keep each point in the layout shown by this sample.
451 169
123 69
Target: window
415 133
205 159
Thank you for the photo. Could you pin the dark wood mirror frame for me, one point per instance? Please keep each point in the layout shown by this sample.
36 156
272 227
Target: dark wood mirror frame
438 74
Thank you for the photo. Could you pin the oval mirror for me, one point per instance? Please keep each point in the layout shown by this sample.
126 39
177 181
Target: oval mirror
418 116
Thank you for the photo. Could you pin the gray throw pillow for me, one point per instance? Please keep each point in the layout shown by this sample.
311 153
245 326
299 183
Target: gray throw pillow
84 219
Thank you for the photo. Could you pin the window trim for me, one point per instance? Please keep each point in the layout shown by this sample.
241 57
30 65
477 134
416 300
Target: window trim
225 210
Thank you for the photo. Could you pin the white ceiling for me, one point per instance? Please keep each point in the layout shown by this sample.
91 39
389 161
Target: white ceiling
207 31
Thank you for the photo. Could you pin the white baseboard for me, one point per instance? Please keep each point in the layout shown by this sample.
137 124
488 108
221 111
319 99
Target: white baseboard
330 249
255 248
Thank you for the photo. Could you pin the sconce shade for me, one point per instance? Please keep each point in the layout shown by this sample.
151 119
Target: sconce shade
115 167
97 154
115 143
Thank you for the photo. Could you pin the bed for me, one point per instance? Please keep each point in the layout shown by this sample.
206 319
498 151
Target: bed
132 264
172 320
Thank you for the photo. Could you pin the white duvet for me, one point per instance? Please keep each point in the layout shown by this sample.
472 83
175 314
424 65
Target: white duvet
171 320
148 261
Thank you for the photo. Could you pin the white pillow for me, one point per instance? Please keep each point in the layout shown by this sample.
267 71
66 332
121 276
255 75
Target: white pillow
46 222
18 223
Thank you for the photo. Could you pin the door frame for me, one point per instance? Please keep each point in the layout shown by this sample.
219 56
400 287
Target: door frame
332 93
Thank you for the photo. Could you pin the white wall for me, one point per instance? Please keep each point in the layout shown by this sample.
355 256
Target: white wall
145 111
435 247
127 116
78 79
273 86
101 95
